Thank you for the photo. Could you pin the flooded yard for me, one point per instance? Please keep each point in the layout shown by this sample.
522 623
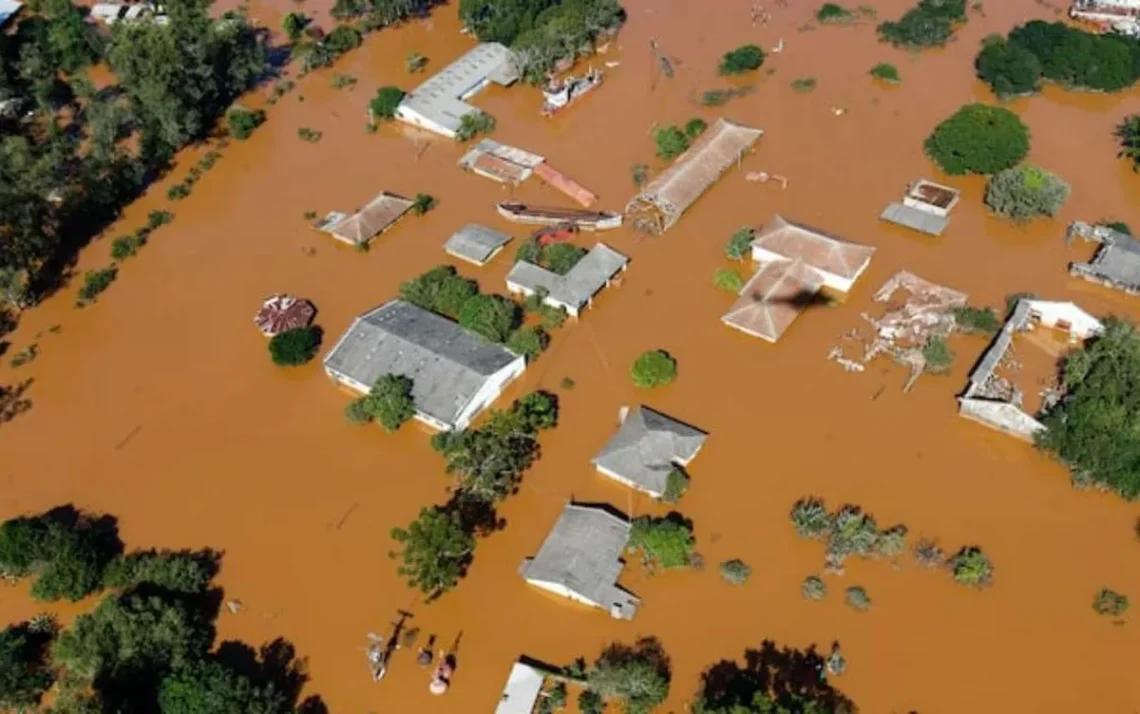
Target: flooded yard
159 403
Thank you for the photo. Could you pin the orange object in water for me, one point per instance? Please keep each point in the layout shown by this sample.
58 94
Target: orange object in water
565 184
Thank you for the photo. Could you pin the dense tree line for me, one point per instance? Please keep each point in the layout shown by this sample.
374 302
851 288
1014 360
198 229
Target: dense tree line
65 167
148 645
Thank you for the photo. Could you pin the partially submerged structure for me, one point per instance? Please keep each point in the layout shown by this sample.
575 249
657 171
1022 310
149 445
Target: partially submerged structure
664 199
925 207
577 288
1116 262
476 244
996 402
647 447
439 103
380 214
511 165
795 264
455 373
1121 16
521 693
553 216
581 560
283 312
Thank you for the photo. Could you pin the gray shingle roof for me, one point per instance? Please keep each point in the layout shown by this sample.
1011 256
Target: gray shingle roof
447 363
646 447
439 98
1118 261
475 243
583 553
576 287
915 219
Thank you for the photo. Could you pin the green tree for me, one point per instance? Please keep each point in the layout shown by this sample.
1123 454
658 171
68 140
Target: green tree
886 72
695 127
491 316
928 24
1008 68
671 142
1025 192
473 124
180 571
342 39
294 25
978 139
389 402
972 567
1110 602
676 485
1075 58
440 290
386 102
537 410
209 687
666 541
740 244
435 550
423 204
636 677
241 122
735 571
653 368
528 341
1128 134
24 672
562 257
745 58
728 279
295 347
488 462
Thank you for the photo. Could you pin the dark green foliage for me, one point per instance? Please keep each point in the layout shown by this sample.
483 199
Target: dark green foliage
242 122
978 139
294 24
562 257
720 97
208 687
590 702
804 84
773 680
537 411
528 341
310 135
1128 134
813 588
177 571
676 485
937 355
977 319
126 246
639 173
886 72
1095 429
423 204
1007 67
928 24
637 677
653 368
24 671
695 127
735 571
295 347
830 12
1107 602
667 542
745 58
1073 57
155 219
435 550
342 81
848 531
342 39
440 290
389 402
671 141
491 316
740 244
415 62
386 102
474 124
66 550
552 700
95 282
179 191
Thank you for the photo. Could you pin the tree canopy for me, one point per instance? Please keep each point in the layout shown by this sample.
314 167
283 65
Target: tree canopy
386 101
295 346
1025 192
666 541
637 677
435 550
978 139
745 58
24 671
928 24
389 402
1008 67
491 316
653 368
440 290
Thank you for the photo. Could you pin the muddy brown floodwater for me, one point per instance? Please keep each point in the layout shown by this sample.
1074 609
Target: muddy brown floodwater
159 404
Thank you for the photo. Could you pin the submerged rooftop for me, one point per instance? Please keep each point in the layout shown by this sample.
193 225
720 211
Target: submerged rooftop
647 447
476 243
439 100
575 288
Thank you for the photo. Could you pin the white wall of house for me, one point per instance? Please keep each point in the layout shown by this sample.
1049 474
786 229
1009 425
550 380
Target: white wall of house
830 280
1065 315
560 589
1002 416
623 480
925 207
490 391
571 310
411 116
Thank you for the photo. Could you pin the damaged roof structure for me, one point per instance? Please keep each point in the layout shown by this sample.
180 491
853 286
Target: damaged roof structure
647 447
925 207
581 560
1116 263
475 243
438 104
996 402
664 199
380 214
521 693
455 373
577 288
511 165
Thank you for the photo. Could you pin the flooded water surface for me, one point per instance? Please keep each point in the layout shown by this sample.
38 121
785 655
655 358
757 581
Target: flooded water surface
159 403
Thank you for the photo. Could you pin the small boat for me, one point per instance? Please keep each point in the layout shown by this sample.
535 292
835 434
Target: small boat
561 93
551 216
558 233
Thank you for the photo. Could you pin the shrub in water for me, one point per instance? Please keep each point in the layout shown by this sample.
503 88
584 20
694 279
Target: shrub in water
1008 68
971 567
740 244
977 319
294 347
885 71
241 122
743 59
937 355
528 341
695 127
666 541
811 519
386 101
676 484
728 279
471 125
653 368
856 596
831 13
671 142
1026 192
1109 602
813 588
735 571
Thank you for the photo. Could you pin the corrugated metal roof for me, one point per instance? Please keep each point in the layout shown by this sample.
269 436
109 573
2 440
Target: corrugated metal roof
440 98
475 243
915 219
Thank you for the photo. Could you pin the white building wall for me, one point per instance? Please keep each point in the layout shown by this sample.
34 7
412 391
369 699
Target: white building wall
489 392
571 310
1001 416
1081 324
560 589
623 480
830 280
411 116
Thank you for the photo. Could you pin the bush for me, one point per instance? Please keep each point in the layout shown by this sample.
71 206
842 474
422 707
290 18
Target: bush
637 677
639 173
811 519
886 72
24 671
829 12
126 246
155 219
66 550
389 402
440 290
928 554
295 347
294 24
928 24
804 84
1118 226
590 702
342 39
1026 192
242 122
856 596
1109 602
728 279
176 571
653 368
667 542
1075 58
310 135
695 127
978 139
178 191
977 319
341 81
561 257
423 204
474 124
813 588
436 550
1008 68
740 244
528 341
937 355
491 316
745 58
671 142
971 567
1128 134
95 282
386 102
415 62
676 485
735 572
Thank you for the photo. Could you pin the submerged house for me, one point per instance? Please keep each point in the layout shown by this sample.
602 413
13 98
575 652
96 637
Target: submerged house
439 103
1115 264
455 373
795 264
577 288
581 560
524 686
647 447
500 162
475 243
380 214
993 401
1120 15
664 199
925 207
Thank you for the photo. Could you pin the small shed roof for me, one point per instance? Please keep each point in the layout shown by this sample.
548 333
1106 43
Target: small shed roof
814 247
440 98
1117 261
647 447
915 219
524 684
446 363
577 286
583 554
663 200
773 298
367 223
475 243
283 312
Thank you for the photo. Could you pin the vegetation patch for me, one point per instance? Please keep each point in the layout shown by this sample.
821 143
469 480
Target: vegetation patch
981 320
1118 226
728 279
1110 603
388 403
673 141
440 290
308 134
720 97
676 485
474 124
634 679
740 244
936 356
94 283
1128 134
295 347
735 571
886 72
847 531
856 596
241 122
971 566
558 258
930 23
342 81
804 84
435 550
1008 67
813 588
294 25
663 542
831 13
386 102
1025 192
653 368
415 62
493 317
978 139
528 341
639 173
746 58
423 204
